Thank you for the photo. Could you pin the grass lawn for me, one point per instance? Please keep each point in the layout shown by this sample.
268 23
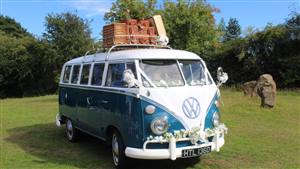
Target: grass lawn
257 138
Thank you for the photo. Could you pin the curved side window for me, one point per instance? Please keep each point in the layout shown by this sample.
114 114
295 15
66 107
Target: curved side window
66 76
97 74
75 74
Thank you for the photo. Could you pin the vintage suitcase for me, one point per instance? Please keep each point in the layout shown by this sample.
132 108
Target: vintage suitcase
152 35
114 34
159 25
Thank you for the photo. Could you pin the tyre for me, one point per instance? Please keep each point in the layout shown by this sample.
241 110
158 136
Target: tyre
71 131
118 150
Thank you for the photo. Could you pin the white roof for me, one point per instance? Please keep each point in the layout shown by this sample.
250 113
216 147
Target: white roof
133 54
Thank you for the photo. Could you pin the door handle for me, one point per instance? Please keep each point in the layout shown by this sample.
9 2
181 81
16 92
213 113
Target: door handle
104 101
88 101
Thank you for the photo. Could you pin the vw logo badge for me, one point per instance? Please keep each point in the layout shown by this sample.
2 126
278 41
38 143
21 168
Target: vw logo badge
191 108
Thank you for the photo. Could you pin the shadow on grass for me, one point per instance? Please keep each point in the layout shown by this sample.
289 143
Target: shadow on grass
48 143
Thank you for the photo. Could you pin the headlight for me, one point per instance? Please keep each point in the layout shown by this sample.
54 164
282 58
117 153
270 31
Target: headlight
150 109
216 119
159 125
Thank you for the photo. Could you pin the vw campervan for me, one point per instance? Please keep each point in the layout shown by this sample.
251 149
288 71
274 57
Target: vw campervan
150 102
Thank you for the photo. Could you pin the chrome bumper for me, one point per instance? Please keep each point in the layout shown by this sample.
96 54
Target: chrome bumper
173 152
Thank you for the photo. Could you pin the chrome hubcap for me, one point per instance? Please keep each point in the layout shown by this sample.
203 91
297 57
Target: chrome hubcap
69 129
115 149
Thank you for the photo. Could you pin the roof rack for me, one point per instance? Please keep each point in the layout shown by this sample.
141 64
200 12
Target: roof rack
134 46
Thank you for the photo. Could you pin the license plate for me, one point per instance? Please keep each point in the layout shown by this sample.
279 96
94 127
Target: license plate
195 152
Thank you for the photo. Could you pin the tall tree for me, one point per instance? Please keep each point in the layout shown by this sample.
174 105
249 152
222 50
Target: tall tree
191 25
127 9
233 30
69 34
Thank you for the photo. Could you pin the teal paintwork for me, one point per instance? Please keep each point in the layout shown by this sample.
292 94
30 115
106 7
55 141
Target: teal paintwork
211 109
94 109
161 111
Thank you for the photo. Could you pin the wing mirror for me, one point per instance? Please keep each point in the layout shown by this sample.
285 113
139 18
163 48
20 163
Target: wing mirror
221 76
129 79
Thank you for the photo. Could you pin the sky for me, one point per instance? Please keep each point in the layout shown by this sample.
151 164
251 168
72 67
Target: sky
31 13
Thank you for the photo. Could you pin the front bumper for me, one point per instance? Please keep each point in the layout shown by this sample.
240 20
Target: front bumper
174 152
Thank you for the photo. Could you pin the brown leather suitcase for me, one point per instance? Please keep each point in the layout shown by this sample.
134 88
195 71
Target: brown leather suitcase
114 34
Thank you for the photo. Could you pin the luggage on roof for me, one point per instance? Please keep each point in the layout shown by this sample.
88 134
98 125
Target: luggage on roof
133 31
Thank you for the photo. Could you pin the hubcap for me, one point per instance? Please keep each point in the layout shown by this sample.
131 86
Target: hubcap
115 149
69 129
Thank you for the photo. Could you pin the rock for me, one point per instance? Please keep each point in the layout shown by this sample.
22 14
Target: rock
249 87
266 89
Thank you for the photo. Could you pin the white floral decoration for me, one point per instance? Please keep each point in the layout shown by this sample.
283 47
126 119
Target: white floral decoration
194 134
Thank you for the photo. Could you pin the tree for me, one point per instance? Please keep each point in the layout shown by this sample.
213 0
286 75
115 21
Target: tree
68 34
293 24
26 66
127 9
11 27
191 26
233 30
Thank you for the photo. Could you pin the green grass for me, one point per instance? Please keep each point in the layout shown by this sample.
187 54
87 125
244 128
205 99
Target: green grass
257 138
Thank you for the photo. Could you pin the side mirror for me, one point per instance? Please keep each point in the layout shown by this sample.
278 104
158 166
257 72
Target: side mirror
221 76
129 79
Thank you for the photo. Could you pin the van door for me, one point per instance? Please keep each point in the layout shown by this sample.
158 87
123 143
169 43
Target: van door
121 103
84 98
72 94
96 101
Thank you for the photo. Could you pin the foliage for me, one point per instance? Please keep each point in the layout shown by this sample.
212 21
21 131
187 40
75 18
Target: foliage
233 30
255 139
11 27
275 50
31 66
130 9
26 67
191 26
69 35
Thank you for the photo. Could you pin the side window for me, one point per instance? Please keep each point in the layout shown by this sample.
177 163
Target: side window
85 74
114 76
97 74
75 74
66 76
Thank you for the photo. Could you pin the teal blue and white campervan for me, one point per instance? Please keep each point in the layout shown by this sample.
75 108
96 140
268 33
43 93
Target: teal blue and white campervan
147 102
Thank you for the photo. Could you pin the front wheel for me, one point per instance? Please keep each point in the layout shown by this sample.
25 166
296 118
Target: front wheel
118 151
71 131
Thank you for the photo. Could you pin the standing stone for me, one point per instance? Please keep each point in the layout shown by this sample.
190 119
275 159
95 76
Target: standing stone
249 87
266 89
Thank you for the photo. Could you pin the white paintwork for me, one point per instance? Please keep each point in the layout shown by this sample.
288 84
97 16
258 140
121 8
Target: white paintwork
173 98
172 152
133 54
